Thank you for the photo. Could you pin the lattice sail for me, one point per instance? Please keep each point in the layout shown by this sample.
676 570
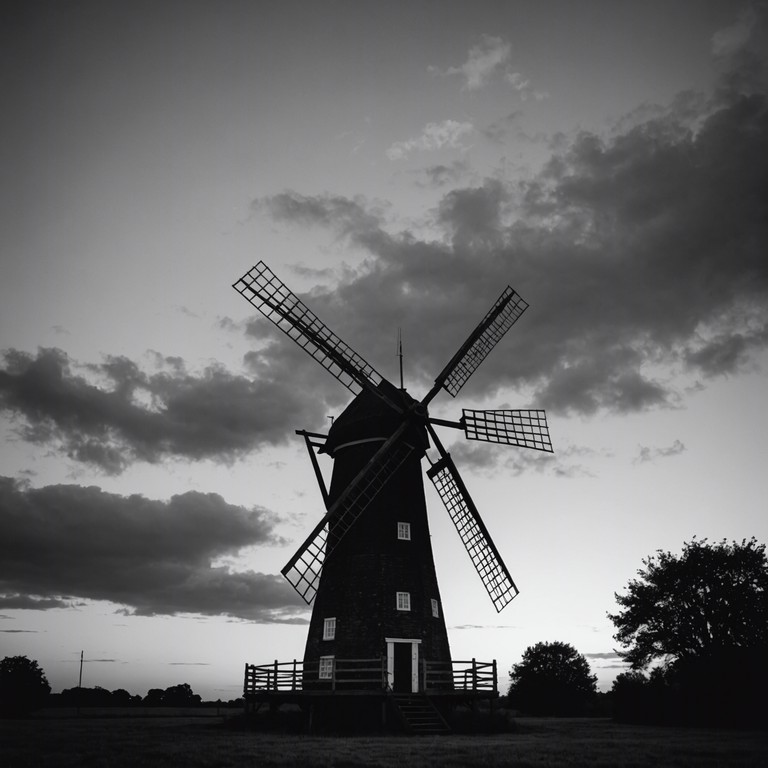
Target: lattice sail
277 303
525 428
501 317
481 549
304 568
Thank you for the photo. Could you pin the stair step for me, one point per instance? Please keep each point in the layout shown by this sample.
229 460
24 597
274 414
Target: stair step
419 715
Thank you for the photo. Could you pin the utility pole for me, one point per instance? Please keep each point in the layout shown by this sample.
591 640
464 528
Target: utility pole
80 685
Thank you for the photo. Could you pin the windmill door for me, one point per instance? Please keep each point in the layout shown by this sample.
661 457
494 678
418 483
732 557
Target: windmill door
403 664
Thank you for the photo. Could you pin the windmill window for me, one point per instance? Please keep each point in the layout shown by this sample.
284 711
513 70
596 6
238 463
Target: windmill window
329 629
435 609
326 668
404 531
403 601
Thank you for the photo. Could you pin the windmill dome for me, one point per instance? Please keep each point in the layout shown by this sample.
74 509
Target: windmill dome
369 418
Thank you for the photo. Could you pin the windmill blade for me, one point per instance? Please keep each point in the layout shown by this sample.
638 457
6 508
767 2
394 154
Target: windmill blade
304 568
525 428
501 317
479 545
280 305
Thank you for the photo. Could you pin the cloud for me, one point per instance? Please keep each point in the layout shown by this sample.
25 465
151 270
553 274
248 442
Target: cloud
28 602
602 655
523 87
641 254
487 459
153 557
488 58
128 415
441 175
485 626
483 60
733 38
649 454
445 135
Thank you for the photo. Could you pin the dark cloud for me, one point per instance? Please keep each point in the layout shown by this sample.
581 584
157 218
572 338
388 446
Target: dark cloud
28 602
130 415
20 631
637 252
153 557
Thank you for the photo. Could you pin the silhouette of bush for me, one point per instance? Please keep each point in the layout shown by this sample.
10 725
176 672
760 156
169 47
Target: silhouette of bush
175 696
23 686
552 679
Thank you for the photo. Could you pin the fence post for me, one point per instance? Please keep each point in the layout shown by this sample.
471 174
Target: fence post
474 675
294 674
274 682
495 678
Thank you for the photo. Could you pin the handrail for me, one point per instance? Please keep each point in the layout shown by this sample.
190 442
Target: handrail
349 674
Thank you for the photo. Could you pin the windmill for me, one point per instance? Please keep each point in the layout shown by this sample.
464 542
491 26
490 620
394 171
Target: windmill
367 565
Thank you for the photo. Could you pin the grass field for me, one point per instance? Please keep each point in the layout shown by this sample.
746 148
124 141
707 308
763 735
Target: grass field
181 740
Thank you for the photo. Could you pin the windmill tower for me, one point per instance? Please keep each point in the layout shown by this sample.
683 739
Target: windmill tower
368 565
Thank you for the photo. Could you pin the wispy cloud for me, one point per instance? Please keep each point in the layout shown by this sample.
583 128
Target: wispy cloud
445 135
523 87
490 57
732 38
483 60
649 454
441 175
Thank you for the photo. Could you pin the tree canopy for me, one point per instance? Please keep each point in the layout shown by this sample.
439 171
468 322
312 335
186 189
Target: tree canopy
552 679
711 598
23 686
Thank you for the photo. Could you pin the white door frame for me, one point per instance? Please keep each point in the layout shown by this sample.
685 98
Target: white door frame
414 660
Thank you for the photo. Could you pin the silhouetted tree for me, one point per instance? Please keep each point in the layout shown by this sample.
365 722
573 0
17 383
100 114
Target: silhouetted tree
181 696
701 621
23 686
174 696
121 698
713 596
154 697
552 679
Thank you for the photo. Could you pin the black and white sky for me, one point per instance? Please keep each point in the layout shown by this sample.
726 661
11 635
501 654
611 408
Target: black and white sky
397 165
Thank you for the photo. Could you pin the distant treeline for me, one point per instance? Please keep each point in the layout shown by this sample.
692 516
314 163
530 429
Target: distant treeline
726 687
174 696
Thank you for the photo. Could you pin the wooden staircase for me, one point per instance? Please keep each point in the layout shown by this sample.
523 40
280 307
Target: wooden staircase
419 715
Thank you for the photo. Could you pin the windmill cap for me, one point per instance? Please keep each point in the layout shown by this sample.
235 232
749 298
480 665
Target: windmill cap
368 418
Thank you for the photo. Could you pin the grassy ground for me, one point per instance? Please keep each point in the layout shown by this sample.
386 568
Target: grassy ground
129 741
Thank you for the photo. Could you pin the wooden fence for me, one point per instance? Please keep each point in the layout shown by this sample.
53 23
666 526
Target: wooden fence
350 674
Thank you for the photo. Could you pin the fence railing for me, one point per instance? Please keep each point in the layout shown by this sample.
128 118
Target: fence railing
351 674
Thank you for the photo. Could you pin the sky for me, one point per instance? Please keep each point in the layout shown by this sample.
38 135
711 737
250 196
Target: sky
397 165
